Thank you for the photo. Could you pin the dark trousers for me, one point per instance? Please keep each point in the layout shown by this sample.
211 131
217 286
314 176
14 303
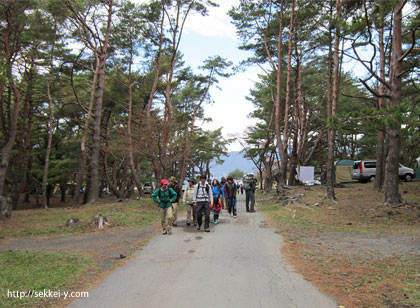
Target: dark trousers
203 208
232 205
216 216
250 197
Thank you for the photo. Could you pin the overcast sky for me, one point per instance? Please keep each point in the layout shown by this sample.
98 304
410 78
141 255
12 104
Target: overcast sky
215 35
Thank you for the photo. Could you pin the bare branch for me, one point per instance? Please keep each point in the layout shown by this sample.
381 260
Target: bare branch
373 91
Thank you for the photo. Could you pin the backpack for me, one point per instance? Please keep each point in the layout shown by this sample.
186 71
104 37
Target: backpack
207 189
170 193
247 185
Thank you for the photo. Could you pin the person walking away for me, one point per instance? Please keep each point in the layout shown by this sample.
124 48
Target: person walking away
202 196
164 197
242 189
230 194
250 195
217 191
223 198
188 199
174 185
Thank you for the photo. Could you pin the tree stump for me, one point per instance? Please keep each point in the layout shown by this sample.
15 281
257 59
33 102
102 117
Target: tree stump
72 221
5 208
100 220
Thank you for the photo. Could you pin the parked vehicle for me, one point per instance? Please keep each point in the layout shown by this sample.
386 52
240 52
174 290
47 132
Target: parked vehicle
365 171
149 188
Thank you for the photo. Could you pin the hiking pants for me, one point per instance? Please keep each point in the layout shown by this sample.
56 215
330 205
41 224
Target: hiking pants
191 211
231 205
223 202
174 214
203 208
166 218
250 197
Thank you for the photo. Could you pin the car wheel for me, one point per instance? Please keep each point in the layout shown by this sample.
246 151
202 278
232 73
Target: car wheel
408 177
372 179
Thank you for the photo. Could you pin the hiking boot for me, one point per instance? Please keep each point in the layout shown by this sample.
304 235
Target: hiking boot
188 224
195 224
164 232
206 230
169 231
234 216
198 228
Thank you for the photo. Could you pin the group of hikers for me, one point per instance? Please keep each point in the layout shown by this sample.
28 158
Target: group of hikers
201 198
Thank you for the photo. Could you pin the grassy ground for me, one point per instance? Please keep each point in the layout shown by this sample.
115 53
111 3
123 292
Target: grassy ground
38 251
39 222
364 253
37 271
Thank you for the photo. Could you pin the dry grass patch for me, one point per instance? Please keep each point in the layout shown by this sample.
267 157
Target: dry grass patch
39 222
362 252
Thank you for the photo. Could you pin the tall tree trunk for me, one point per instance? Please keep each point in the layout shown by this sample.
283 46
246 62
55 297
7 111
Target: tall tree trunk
379 178
296 122
21 162
93 195
130 140
288 91
81 173
50 126
279 114
391 192
333 109
152 95
5 207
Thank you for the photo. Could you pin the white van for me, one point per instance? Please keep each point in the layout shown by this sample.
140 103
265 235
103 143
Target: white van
365 170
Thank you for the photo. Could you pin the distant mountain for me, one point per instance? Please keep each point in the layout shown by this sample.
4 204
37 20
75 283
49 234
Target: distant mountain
233 161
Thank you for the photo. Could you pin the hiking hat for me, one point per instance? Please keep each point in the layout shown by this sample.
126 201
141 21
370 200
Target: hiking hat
230 178
163 182
203 177
191 180
172 178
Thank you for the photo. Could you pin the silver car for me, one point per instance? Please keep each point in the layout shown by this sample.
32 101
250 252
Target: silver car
365 171
149 188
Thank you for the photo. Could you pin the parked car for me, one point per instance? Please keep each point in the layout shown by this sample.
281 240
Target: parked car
149 188
365 170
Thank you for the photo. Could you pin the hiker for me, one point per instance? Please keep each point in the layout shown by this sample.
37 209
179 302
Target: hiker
189 201
174 185
216 208
242 189
250 186
230 194
164 197
217 191
202 196
223 199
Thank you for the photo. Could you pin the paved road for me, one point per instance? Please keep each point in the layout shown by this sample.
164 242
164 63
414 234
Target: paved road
237 264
